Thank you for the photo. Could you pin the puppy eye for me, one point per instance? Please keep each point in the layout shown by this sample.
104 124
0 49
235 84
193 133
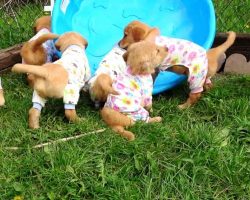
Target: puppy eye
157 50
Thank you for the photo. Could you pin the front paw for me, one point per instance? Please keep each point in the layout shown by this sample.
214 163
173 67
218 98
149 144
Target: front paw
183 106
155 120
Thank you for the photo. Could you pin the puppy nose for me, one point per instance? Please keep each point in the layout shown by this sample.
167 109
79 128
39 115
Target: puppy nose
166 49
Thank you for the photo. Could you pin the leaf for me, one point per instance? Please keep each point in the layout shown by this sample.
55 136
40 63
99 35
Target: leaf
137 163
70 169
188 160
18 187
51 195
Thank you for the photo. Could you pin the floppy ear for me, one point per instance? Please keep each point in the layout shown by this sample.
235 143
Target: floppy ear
138 34
125 56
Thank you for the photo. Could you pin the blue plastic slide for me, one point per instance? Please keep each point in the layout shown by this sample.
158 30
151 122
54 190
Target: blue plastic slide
102 22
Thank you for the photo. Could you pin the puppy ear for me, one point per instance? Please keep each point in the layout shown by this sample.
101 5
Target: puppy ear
138 34
125 56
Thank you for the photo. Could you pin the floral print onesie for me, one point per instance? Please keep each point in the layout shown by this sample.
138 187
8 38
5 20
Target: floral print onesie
76 64
135 93
112 64
188 54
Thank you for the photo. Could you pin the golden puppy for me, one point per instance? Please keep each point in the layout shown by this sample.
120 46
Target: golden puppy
108 69
40 48
134 87
2 100
184 56
61 79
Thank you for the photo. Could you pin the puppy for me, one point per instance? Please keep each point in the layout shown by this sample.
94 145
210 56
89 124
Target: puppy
40 48
2 100
112 65
135 87
100 84
61 79
184 57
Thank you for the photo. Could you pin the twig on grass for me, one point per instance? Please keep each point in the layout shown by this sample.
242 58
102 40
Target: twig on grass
58 141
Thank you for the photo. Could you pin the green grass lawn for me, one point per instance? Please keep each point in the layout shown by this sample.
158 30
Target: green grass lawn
199 153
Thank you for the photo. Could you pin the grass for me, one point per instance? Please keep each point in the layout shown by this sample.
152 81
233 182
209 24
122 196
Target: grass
199 153
232 15
16 23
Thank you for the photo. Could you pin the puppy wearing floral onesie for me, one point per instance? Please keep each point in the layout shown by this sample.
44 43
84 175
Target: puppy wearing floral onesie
184 57
134 88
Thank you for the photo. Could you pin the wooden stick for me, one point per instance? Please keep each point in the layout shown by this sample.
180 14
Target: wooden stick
58 141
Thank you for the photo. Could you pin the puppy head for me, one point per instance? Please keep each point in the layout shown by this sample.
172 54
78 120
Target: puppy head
42 22
134 32
33 56
70 38
144 56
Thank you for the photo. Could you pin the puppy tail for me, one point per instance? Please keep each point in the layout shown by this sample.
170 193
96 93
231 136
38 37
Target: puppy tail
228 43
31 69
215 54
35 44
117 121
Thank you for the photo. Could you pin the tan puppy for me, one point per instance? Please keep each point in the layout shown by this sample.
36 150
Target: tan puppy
135 89
111 65
38 51
40 48
137 31
41 23
61 79
2 100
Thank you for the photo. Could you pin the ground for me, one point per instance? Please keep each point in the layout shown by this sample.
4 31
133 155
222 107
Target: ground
199 153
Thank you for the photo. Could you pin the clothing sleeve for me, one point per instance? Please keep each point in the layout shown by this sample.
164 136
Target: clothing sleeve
71 94
147 93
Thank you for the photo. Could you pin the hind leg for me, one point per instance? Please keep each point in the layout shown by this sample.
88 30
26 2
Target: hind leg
102 87
192 99
208 84
2 100
34 116
71 115
124 133
118 121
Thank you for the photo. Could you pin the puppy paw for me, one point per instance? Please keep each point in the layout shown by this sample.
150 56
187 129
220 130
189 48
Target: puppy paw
155 120
183 106
131 137
208 86
80 120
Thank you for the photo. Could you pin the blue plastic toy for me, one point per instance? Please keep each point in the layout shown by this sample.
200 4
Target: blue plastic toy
102 22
